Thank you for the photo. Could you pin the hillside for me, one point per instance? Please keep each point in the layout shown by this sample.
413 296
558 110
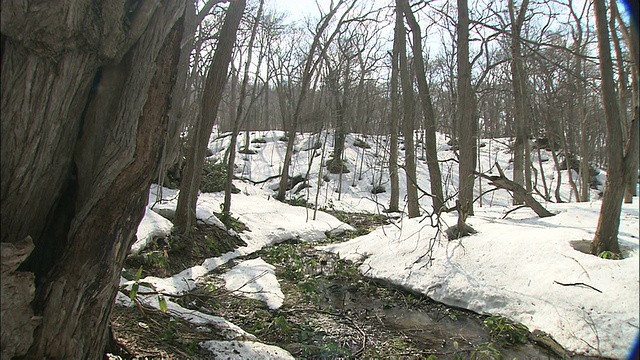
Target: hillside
529 270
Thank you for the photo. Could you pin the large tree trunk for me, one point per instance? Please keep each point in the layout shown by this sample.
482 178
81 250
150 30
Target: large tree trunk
466 118
606 237
199 140
427 111
81 141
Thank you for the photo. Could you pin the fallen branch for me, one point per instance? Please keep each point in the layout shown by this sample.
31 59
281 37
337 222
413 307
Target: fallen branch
504 183
261 181
577 284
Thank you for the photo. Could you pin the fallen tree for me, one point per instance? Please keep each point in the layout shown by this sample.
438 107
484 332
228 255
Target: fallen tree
503 182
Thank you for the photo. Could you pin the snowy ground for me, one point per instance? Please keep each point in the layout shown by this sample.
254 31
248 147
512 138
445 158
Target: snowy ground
514 267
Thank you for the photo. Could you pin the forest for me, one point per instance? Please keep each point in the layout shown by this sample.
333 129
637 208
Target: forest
320 179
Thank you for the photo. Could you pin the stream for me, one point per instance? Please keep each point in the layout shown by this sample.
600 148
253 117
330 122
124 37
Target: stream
331 311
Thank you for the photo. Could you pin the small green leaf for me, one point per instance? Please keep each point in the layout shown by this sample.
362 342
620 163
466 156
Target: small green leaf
163 303
134 291
139 274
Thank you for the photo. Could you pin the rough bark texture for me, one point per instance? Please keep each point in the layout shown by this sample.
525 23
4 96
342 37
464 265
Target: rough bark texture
199 140
84 98
466 120
427 110
17 293
606 237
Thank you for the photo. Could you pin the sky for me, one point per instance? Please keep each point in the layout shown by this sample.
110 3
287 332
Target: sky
517 267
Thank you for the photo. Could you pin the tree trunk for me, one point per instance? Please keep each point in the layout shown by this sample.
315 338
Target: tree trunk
309 68
394 115
199 140
606 237
60 100
427 111
522 157
226 207
180 99
408 123
466 116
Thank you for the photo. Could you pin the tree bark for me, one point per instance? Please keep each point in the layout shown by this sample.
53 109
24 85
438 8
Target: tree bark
408 123
517 190
72 73
226 207
394 115
198 142
522 157
606 237
467 121
427 110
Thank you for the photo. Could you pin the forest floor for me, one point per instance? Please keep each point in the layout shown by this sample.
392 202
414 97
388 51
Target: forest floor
330 310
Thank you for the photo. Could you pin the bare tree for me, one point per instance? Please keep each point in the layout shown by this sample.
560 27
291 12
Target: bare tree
466 122
310 65
606 237
408 123
522 153
226 207
189 187
427 109
394 113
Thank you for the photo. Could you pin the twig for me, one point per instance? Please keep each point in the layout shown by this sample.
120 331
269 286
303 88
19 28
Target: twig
583 269
577 284
512 210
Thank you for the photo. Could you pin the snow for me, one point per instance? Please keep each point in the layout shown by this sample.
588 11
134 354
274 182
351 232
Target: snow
245 350
514 266
152 226
255 279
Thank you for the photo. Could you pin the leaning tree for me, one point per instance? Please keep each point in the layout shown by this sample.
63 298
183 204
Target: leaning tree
85 97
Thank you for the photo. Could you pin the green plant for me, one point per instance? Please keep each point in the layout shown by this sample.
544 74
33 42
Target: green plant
299 201
610 255
170 332
505 331
136 284
486 352
157 258
192 348
231 222
214 176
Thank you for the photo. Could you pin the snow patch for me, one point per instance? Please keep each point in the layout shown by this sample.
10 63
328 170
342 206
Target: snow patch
255 279
245 350
152 226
